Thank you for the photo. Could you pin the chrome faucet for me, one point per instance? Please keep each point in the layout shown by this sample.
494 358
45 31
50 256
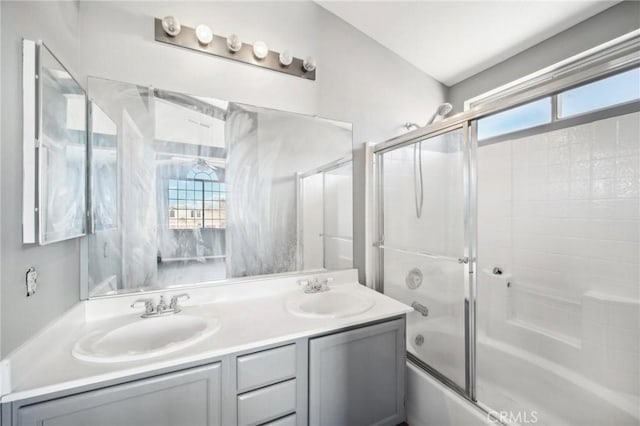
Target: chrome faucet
424 311
161 308
315 284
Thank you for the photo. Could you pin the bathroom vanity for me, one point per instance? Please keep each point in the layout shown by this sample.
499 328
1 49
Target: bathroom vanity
160 203
264 365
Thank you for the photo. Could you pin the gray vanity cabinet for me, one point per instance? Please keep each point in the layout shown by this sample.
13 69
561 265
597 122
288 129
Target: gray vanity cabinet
353 377
356 378
189 397
271 385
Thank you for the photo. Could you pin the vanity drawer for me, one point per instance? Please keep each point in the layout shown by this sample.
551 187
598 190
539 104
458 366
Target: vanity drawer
284 421
266 367
268 403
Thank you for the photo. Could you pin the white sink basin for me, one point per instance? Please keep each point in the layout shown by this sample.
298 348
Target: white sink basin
145 338
329 304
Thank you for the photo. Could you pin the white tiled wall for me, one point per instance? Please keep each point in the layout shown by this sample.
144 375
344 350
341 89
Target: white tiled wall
560 214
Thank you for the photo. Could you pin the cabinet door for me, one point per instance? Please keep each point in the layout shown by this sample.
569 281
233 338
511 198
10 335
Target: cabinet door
190 397
357 377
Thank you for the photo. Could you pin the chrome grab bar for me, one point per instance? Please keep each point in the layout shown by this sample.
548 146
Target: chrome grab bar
464 259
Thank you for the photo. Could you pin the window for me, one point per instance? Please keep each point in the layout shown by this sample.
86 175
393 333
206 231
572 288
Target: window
518 118
607 92
199 201
614 90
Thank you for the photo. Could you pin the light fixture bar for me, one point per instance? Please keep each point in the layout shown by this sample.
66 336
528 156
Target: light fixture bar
218 47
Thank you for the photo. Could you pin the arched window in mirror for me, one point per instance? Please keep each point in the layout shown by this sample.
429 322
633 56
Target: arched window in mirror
198 200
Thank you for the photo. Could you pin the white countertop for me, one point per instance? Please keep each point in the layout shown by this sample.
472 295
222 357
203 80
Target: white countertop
252 314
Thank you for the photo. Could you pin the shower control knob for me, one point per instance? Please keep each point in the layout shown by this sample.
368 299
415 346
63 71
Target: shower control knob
414 278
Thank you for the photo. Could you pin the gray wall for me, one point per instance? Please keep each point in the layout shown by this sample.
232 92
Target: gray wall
368 85
618 20
358 80
58 264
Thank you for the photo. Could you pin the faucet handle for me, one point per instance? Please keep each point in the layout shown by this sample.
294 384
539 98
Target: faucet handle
148 305
162 306
174 300
324 283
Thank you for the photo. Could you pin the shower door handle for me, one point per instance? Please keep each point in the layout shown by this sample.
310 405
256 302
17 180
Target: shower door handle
416 252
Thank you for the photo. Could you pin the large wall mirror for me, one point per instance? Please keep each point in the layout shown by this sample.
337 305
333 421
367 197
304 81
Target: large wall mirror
208 190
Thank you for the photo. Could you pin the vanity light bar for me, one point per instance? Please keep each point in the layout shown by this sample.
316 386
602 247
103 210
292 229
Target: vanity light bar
186 38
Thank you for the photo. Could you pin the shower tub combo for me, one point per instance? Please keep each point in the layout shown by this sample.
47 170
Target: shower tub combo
521 257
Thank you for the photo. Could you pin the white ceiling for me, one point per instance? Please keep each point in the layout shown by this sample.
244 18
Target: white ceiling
453 40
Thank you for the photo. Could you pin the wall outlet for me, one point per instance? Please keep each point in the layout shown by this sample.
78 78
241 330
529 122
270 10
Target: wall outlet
32 281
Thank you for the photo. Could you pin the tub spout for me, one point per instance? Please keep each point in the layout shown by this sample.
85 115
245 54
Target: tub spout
424 311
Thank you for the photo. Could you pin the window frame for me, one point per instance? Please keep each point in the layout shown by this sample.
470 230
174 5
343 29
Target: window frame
558 122
197 214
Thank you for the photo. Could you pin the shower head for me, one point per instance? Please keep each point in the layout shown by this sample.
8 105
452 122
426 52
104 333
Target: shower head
443 109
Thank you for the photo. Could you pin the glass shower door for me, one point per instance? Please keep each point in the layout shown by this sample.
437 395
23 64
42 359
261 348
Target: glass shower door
422 243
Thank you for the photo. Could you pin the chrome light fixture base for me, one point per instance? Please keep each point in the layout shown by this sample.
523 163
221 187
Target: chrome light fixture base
224 47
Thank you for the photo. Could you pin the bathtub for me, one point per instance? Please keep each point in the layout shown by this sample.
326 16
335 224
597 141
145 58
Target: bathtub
513 384
430 403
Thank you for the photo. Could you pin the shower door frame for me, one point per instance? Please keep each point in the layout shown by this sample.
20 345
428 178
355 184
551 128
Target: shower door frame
610 58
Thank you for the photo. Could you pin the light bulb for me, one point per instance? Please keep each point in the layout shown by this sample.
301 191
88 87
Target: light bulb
309 64
233 43
171 25
285 58
204 34
260 49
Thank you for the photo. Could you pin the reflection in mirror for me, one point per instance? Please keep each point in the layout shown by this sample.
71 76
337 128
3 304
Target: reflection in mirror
63 144
103 167
211 191
327 216
61 152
